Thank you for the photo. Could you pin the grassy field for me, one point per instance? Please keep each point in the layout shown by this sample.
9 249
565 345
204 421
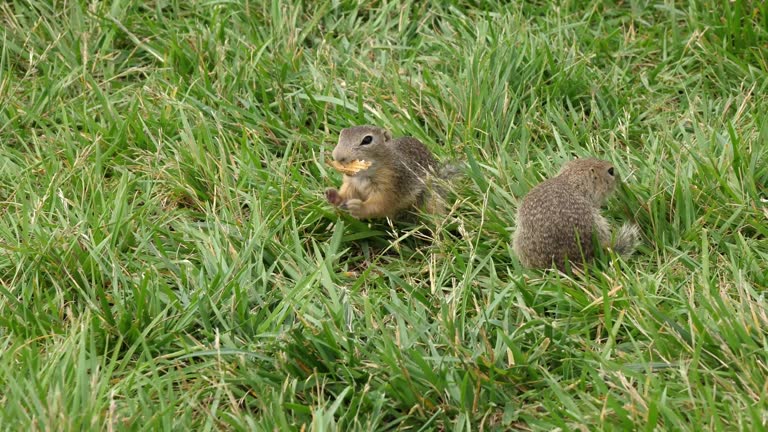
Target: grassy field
167 260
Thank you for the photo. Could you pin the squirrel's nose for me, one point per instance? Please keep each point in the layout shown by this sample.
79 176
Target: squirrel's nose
337 156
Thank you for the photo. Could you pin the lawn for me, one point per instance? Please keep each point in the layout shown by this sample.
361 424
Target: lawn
168 261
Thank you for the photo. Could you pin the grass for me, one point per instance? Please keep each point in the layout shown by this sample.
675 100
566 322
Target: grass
167 260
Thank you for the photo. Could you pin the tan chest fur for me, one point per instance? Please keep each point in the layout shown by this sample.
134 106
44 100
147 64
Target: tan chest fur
362 187
356 187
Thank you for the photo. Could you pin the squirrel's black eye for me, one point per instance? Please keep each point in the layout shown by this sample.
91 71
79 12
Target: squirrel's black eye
610 171
366 140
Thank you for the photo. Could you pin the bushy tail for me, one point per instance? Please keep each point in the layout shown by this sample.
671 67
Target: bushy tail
441 185
627 239
451 170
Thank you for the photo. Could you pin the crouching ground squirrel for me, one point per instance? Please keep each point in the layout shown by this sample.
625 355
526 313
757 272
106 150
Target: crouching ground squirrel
557 219
383 177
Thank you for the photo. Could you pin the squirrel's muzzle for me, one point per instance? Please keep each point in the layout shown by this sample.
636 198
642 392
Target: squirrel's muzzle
339 157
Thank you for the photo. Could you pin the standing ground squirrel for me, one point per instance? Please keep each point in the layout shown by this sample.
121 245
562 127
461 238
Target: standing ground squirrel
557 219
396 177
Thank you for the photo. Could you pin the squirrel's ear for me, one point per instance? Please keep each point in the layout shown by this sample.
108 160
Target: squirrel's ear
387 135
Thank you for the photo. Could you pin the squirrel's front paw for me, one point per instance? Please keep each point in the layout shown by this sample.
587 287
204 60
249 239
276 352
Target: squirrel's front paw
333 197
354 207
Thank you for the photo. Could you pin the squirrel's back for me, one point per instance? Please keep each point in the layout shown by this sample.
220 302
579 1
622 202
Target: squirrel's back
413 160
414 165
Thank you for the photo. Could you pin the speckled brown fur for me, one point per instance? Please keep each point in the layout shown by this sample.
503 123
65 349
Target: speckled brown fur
558 218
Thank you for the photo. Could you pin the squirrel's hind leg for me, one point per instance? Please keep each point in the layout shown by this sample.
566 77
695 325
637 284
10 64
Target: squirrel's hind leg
376 206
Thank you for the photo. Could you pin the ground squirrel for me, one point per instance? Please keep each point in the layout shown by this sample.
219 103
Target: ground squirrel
396 179
557 219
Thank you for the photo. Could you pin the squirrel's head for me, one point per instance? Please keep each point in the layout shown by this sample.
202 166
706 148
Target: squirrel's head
367 143
597 178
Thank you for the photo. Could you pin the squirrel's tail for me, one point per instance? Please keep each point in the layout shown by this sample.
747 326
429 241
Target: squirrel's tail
627 239
445 175
451 170
441 185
